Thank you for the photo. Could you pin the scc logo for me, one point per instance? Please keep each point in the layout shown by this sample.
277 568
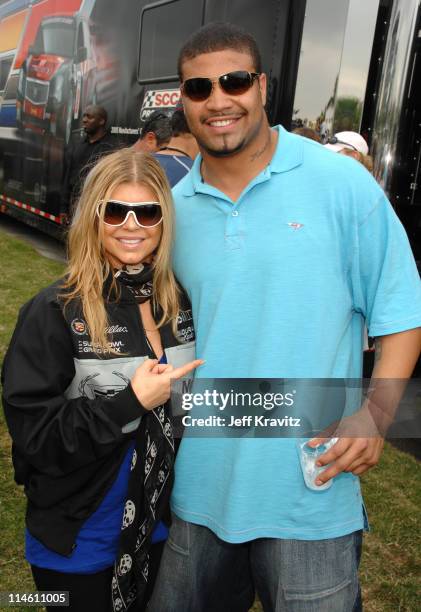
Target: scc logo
167 98
161 98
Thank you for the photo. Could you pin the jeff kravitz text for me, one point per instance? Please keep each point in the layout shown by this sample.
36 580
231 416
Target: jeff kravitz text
243 421
233 400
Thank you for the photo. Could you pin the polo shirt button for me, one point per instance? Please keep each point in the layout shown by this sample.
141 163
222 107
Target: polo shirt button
235 213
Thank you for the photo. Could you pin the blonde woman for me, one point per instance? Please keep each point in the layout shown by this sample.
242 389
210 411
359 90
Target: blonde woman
86 385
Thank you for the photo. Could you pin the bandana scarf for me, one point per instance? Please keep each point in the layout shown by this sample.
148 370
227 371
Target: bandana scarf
138 280
150 483
149 488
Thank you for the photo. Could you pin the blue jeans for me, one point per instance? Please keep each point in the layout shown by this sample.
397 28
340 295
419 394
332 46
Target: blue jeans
201 573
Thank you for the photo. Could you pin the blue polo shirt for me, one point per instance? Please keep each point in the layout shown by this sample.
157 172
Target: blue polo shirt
281 283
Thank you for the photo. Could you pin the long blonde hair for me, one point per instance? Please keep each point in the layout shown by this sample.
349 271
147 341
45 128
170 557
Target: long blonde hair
88 266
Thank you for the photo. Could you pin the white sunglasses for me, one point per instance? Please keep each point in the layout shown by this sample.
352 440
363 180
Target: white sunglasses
116 213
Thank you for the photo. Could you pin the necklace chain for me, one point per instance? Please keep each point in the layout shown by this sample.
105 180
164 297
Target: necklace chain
174 149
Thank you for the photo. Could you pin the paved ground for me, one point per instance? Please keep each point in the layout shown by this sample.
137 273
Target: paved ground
43 244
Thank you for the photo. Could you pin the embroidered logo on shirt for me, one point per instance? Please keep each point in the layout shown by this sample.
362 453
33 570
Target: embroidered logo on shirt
78 326
295 225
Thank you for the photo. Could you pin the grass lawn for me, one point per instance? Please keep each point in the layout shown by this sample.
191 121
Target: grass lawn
390 568
22 273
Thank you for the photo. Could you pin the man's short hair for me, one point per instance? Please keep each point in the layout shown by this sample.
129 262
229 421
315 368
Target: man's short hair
99 111
158 123
179 123
218 36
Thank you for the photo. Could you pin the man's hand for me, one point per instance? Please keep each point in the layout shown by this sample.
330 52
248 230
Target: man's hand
358 447
361 436
356 455
152 381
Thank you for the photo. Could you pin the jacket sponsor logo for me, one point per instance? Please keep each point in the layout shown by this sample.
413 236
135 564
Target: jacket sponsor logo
78 326
116 329
91 388
186 334
85 346
185 330
183 316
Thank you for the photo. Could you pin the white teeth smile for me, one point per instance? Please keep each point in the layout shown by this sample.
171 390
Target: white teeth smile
222 123
130 242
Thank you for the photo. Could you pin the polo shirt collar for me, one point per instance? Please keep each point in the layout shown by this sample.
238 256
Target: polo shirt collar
288 155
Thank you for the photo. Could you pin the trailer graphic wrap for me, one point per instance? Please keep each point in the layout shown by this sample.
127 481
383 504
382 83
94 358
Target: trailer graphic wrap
49 92
58 56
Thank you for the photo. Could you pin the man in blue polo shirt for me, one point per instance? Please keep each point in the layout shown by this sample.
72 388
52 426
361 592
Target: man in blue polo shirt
285 249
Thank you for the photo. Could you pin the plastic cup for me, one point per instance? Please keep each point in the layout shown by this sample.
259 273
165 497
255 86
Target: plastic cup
308 457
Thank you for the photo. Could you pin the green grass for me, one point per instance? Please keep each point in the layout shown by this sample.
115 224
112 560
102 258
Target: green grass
390 568
22 274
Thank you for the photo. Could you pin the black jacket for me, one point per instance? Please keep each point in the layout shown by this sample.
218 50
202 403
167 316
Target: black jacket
71 413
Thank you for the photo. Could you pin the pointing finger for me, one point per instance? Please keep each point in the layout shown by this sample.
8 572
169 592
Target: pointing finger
186 368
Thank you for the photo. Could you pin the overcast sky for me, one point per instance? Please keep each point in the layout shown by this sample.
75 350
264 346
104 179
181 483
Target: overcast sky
323 41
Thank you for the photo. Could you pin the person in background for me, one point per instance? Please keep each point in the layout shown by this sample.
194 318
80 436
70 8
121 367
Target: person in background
275 236
86 380
155 133
80 158
177 156
353 145
308 133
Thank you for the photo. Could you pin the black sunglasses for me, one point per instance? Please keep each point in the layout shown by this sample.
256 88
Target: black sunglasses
333 140
146 214
233 83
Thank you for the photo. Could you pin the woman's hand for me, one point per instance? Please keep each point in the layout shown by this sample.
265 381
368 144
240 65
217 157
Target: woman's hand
152 381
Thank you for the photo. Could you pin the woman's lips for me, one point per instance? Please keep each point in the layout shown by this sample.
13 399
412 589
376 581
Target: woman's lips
130 242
